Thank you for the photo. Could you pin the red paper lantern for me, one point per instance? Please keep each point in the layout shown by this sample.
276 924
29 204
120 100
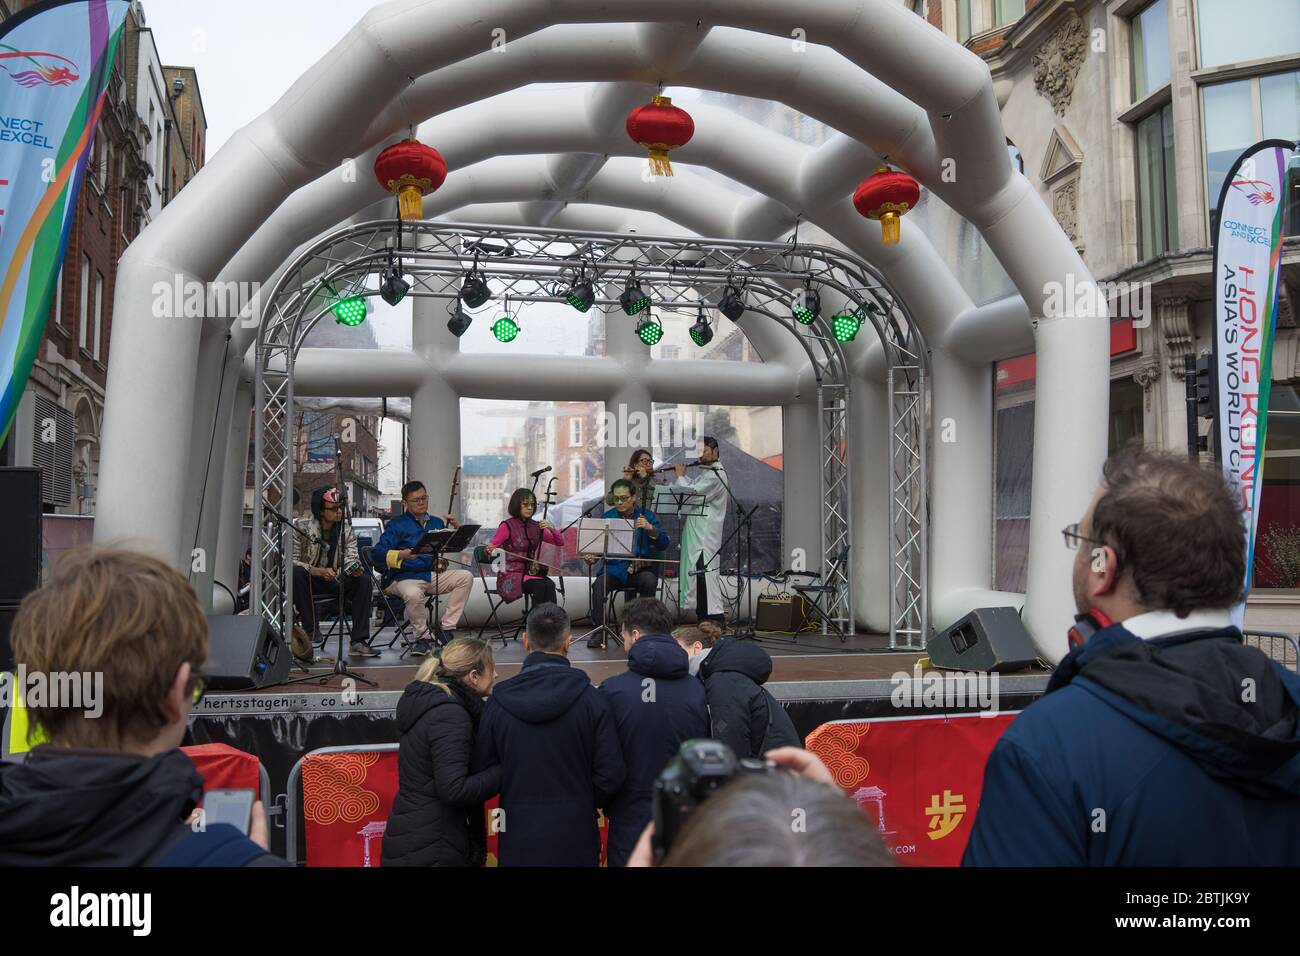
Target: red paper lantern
411 170
886 195
659 127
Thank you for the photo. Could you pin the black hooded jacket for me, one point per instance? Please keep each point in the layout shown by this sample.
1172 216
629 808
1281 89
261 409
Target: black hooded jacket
554 737
62 807
657 705
1182 750
745 716
437 816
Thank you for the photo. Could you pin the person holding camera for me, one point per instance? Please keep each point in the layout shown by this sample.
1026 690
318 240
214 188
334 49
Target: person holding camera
437 816
554 737
656 706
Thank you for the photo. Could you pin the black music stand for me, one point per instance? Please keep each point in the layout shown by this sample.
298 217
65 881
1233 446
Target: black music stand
590 531
438 543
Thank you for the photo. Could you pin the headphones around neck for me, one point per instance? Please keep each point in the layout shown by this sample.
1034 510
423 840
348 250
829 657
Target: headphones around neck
1086 625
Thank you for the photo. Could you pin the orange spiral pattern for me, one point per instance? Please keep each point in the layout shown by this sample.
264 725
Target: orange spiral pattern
332 788
836 744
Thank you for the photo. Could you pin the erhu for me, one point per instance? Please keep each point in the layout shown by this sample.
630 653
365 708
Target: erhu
441 565
534 567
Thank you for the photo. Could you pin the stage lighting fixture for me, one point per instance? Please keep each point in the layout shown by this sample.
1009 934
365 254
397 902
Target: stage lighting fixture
459 321
845 326
807 305
701 331
732 305
633 299
350 310
474 290
581 294
392 287
505 329
649 330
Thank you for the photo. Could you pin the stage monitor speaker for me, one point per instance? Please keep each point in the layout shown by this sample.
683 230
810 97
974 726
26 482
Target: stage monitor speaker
20 545
244 653
986 639
7 614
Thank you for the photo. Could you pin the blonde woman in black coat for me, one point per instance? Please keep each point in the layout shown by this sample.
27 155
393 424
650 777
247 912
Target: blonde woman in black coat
437 816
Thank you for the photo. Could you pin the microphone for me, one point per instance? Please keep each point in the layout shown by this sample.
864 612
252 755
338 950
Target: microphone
540 471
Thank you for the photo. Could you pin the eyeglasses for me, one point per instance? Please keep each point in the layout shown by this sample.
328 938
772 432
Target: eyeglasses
417 501
1072 537
199 688
329 507
619 499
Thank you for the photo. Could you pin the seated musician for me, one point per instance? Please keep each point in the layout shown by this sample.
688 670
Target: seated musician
647 537
323 553
413 574
521 538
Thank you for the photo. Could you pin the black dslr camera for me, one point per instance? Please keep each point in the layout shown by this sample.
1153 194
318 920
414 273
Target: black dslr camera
700 768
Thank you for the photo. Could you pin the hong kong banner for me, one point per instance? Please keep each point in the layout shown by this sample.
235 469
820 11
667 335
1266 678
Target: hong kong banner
1247 258
55 62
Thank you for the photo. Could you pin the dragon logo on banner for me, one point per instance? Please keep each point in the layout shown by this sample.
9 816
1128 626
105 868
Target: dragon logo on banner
38 73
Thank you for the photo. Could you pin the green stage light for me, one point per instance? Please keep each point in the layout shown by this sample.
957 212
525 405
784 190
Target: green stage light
459 321
807 306
634 298
845 326
649 330
505 329
701 331
581 294
349 311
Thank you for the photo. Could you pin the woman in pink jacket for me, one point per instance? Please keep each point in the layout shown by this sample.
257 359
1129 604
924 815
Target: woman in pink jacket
521 535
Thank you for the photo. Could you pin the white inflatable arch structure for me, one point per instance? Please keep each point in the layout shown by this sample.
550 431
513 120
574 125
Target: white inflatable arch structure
891 85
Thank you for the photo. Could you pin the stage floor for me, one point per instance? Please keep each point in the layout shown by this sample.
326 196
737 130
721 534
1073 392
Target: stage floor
863 664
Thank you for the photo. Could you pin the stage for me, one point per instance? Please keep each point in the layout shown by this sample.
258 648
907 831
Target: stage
816 680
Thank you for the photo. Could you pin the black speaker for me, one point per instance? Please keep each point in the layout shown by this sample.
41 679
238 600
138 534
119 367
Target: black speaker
986 639
20 545
244 653
7 614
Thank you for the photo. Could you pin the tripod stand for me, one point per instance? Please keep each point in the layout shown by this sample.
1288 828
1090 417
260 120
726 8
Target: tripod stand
438 543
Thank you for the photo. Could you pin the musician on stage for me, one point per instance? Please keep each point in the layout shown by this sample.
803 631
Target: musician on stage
522 537
640 471
619 573
323 552
413 577
702 535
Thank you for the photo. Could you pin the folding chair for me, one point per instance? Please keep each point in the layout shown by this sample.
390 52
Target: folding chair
392 608
815 594
496 602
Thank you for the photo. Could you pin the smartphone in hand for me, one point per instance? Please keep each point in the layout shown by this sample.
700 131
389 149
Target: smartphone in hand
229 806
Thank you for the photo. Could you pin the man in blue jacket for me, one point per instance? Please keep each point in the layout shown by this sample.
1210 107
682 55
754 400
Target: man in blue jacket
412 574
1162 739
554 737
647 538
657 705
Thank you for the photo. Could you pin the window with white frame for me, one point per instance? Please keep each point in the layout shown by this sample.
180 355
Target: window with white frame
575 432
1239 114
83 338
575 476
99 312
58 297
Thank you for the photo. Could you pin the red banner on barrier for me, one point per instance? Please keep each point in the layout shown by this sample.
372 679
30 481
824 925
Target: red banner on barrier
225 768
919 779
346 798
492 810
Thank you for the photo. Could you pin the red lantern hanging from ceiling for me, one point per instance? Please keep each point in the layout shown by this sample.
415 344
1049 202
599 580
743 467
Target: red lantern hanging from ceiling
411 170
659 127
886 195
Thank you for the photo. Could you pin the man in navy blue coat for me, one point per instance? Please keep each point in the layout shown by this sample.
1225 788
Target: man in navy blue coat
554 737
1162 739
657 705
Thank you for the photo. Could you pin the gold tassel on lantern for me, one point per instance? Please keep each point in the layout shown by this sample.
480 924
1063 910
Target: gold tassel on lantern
891 228
411 204
659 165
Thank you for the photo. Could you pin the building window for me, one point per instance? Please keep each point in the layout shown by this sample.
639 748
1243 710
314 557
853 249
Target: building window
575 432
82 338
918 7
1151 49
99 312
1232 34
1008 11
1157 203
1017 159
1241 113
963 20
575 476
58 297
